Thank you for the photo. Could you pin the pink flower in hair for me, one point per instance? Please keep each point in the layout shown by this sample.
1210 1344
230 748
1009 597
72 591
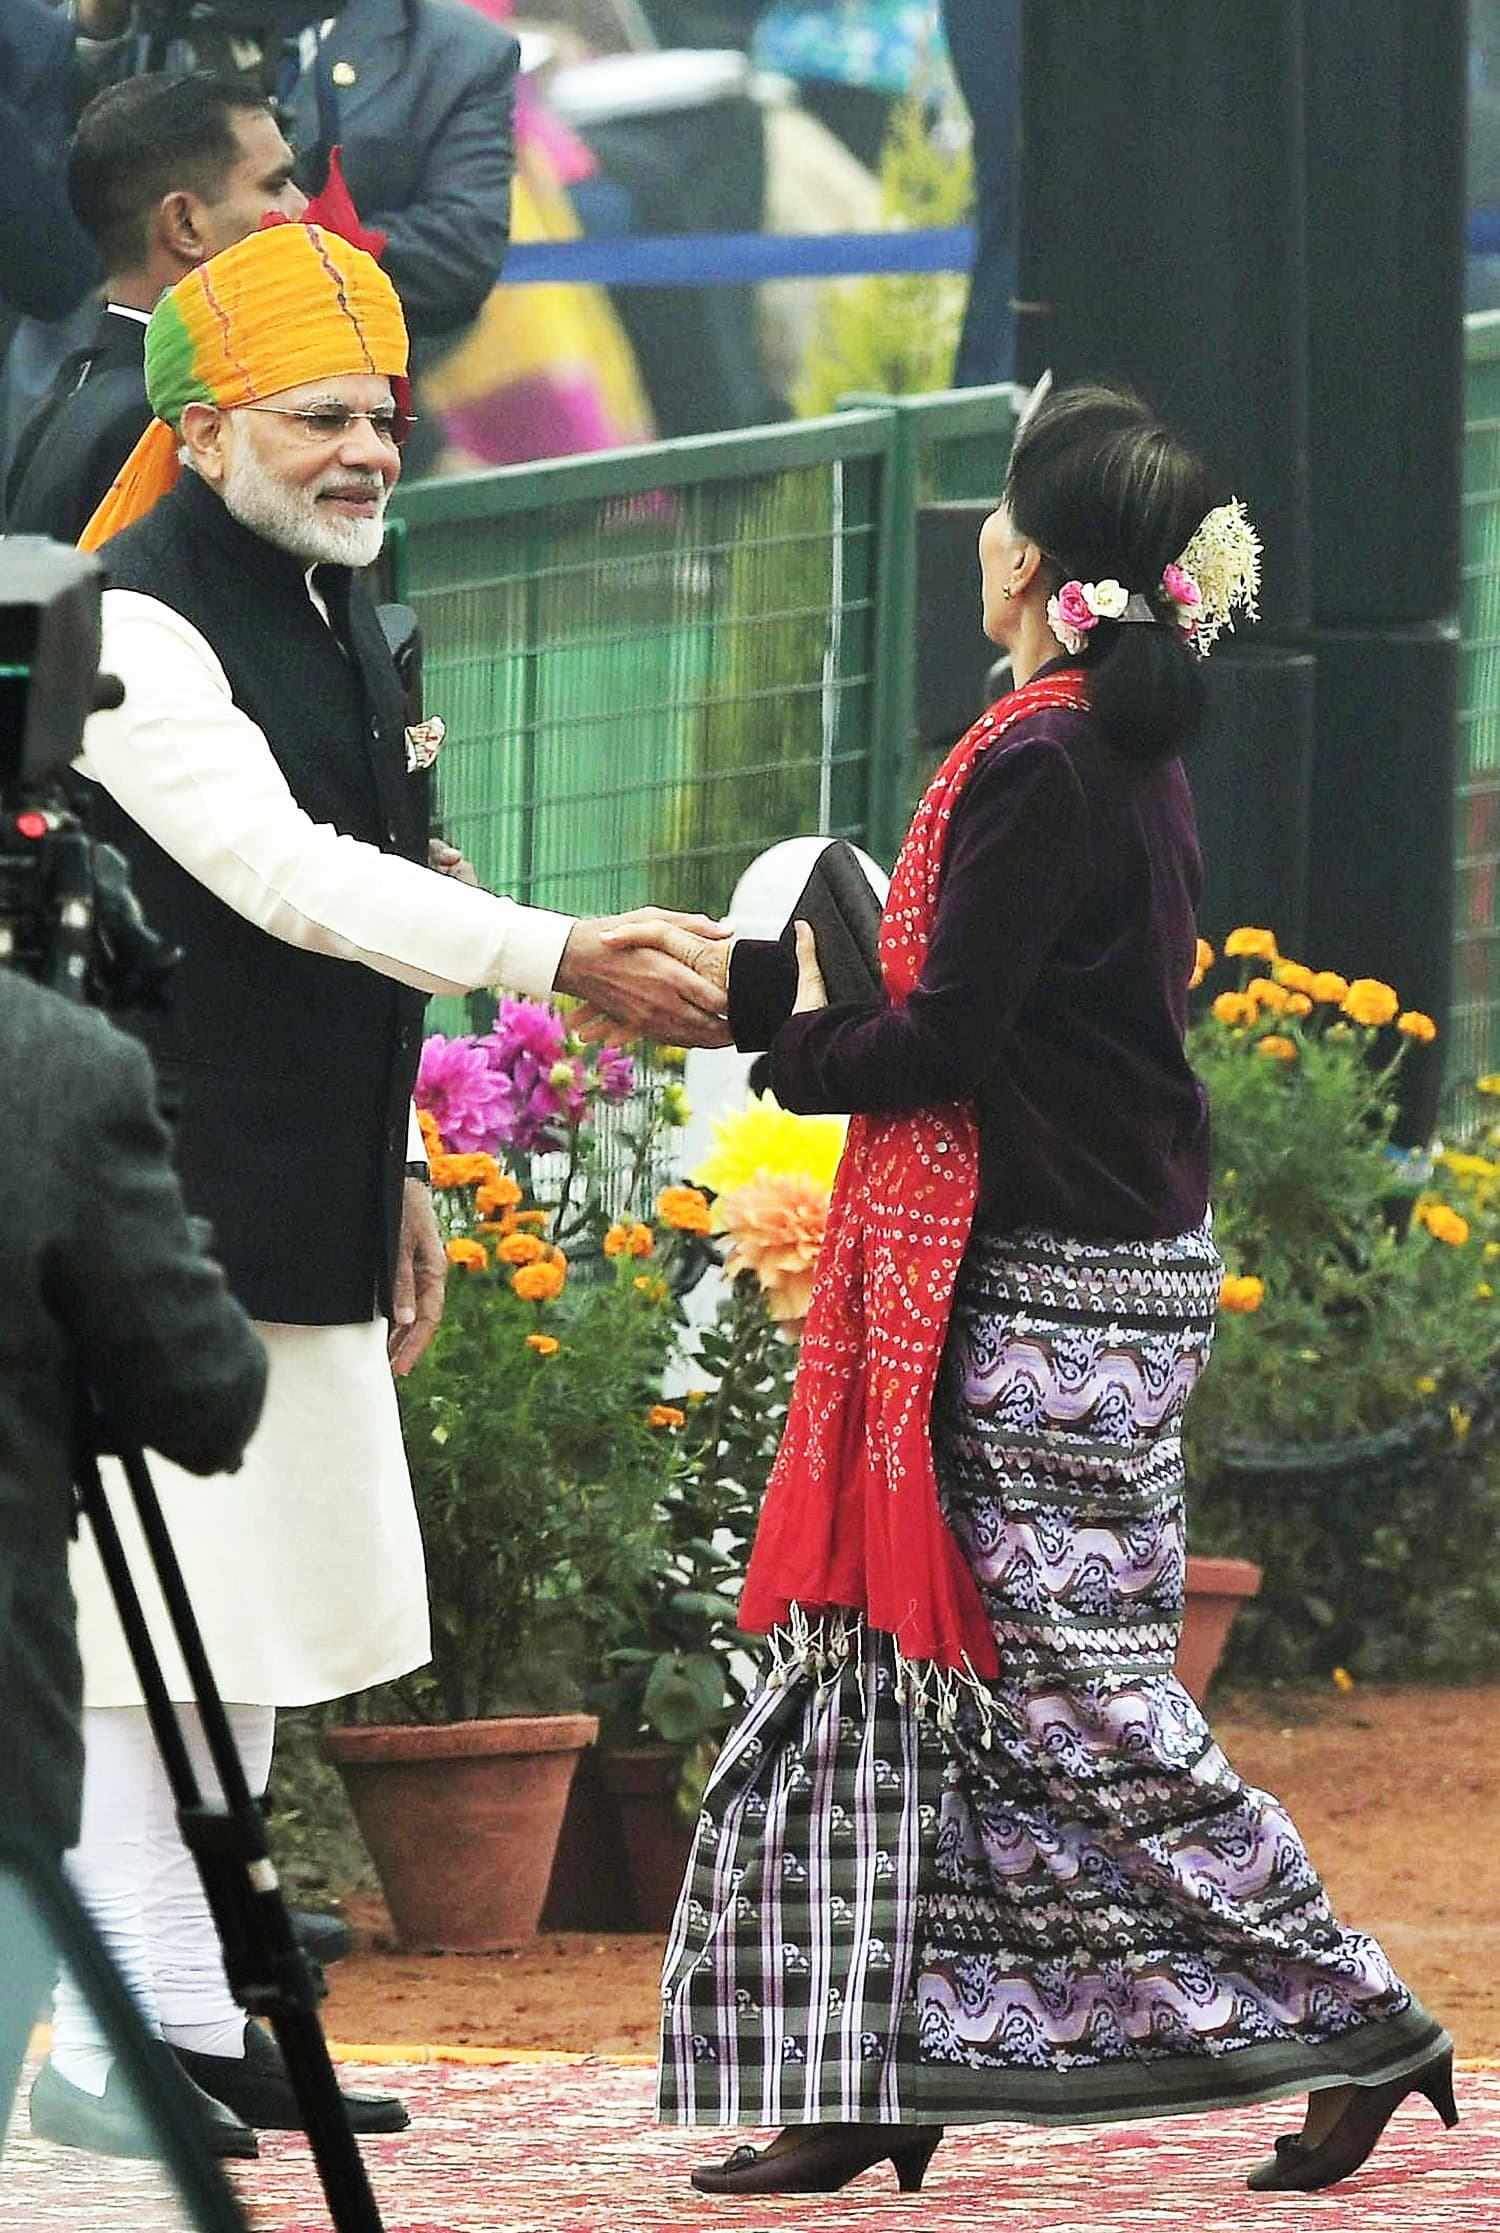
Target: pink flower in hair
1074 609
1182 590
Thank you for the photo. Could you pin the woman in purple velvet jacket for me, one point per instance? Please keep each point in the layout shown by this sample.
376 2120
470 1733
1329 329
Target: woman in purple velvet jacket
973 1854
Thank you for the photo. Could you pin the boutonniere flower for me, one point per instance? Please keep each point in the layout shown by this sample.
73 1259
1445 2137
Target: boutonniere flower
423 742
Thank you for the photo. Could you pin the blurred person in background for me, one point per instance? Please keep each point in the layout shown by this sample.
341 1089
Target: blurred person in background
416 93
47 262
852 60
547 370
165 171
106 1289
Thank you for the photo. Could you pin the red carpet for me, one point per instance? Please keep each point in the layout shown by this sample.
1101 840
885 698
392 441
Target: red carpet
571 2148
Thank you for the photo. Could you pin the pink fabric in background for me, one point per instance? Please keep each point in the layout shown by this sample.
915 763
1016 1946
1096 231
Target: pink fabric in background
569 158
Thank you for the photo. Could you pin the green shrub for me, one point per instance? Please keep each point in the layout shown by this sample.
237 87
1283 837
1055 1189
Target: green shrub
1342 1434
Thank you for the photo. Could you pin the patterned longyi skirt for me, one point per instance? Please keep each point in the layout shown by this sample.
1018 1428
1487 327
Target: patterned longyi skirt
1057 1903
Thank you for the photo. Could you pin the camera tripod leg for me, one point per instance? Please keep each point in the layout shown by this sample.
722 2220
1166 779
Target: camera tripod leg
267 1970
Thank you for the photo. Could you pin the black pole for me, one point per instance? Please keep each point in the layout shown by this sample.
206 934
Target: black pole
1386 84
1162 242
267 1969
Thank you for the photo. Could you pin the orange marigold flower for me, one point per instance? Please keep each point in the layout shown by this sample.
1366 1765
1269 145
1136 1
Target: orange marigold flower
1203 961
545 1345
684 1208
1235 1008
432 1138
465 1170
535 1218
617 1240
1259 945
1240 1294
1443 1224
1328 986
520 1248
665 1415
1294 975
498 1193
1298 1004
1415 1024
539 1283
1274 1047
1268 993
657 1289
642 1240
1370 1001
473 1255
629 1240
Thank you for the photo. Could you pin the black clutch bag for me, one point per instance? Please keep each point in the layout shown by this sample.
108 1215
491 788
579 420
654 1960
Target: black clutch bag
843 912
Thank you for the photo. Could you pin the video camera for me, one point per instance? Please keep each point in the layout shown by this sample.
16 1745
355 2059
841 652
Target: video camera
256 40
67 914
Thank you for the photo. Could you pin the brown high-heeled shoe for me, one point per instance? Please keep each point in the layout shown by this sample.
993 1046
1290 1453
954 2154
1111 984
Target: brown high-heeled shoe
823 2158
1296 2168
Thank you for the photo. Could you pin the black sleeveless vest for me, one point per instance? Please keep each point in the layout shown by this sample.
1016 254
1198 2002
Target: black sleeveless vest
287 1074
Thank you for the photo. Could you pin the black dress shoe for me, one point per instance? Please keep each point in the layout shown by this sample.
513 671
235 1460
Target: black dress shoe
821 2158
1296 2168
257 2088
111 2123
322 1938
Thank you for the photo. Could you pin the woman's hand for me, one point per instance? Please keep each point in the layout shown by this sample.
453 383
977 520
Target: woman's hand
811 990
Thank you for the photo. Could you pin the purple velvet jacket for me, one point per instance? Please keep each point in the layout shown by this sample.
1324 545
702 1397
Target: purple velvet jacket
1054 994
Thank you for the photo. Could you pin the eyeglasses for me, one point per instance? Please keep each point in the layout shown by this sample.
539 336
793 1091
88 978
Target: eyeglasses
330 422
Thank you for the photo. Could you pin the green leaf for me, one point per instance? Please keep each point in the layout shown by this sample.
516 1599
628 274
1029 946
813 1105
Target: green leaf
684 1697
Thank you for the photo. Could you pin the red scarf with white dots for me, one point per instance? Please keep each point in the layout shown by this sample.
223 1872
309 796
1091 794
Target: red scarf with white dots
851 1522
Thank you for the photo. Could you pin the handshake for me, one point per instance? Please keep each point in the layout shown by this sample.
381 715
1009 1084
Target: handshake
665 975
658 973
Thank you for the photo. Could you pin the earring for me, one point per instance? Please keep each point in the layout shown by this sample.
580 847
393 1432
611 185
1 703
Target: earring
1007 591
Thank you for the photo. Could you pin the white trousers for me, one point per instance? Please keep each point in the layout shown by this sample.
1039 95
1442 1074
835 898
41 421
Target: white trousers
141 1886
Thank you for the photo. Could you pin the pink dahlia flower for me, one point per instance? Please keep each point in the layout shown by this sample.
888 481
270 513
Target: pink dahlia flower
540 1084
457 1087
615 1073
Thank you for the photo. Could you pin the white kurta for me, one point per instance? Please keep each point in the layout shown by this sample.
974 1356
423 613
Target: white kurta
305 1568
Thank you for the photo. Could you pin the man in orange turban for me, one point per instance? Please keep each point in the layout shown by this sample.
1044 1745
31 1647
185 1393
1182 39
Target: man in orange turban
274 808
287 305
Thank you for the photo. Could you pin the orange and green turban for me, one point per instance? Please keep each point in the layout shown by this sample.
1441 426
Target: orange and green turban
288 304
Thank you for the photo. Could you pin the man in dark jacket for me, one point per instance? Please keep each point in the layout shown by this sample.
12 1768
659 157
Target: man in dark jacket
275 812
418 93
165 171
105 1285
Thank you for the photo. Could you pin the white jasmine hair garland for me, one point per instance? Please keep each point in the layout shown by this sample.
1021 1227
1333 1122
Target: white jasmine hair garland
1217 576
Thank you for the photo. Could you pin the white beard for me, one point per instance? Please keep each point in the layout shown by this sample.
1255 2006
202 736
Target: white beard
293 519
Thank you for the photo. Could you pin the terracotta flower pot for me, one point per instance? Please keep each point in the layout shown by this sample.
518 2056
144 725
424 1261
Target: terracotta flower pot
1216 1589
462 1822
642 1780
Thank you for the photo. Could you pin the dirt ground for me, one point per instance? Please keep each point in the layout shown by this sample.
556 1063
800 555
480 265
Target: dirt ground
1396 1792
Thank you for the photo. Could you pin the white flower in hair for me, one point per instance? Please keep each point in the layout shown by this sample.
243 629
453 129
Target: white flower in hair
1107 599
1223 562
